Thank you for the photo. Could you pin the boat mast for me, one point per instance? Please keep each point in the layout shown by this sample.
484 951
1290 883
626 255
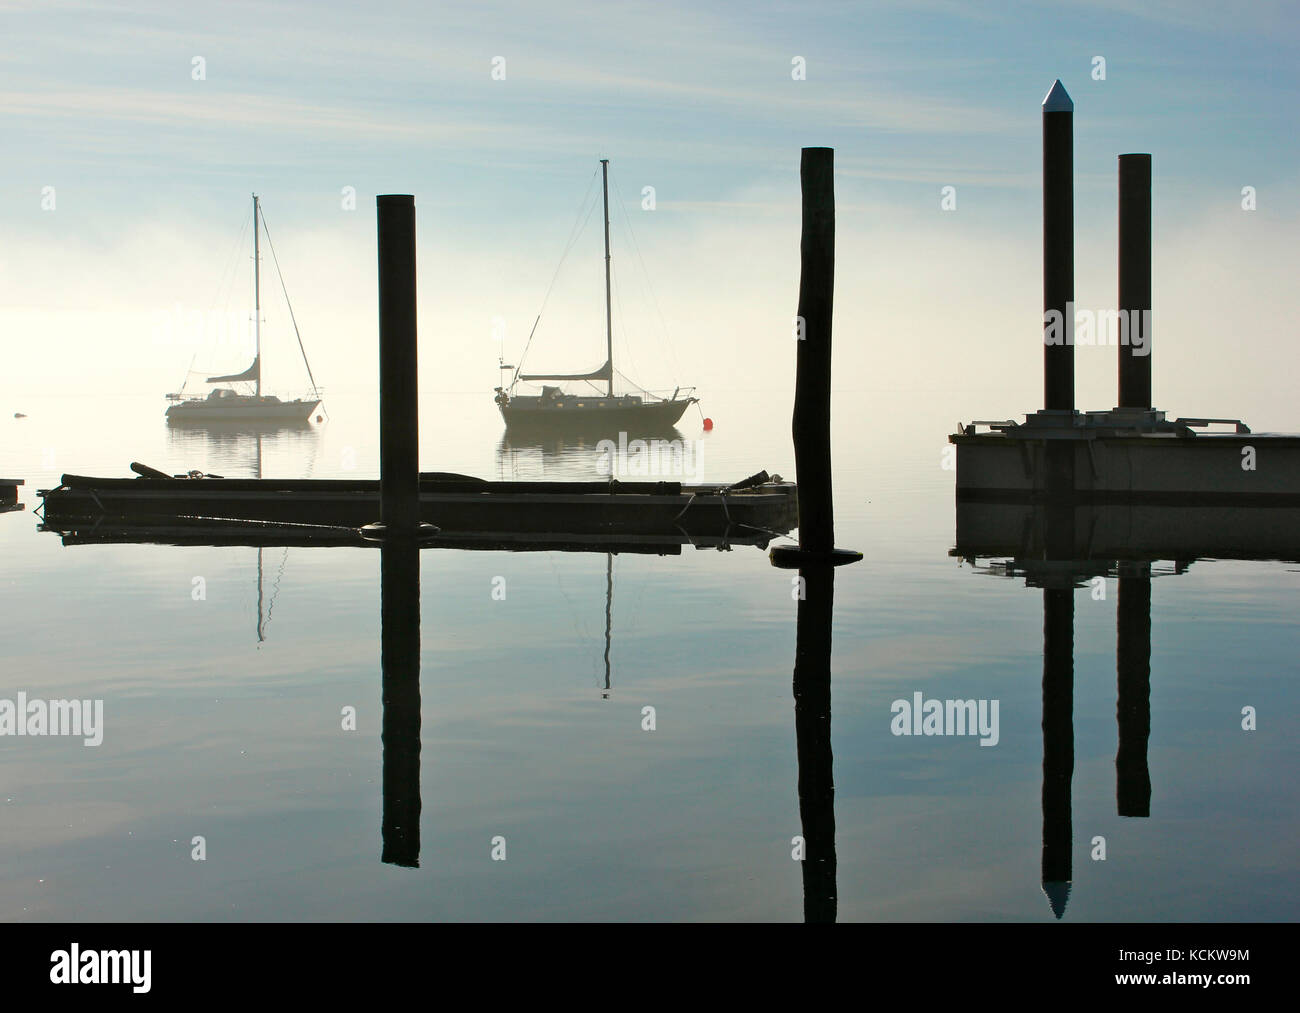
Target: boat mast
257 300
609 329
261 626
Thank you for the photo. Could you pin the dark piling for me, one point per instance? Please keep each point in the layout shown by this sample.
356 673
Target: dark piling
811 426
1135 277
399 439
1058 246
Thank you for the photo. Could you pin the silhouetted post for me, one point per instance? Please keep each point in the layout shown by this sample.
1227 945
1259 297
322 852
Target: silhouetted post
1059 546
812 390
1133 704
1058 245
1058 744
400 659
1135 277
399 437
812 725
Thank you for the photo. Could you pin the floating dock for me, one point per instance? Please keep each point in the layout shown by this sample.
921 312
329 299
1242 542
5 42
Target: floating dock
461 507
1132 453
9 494
1113 457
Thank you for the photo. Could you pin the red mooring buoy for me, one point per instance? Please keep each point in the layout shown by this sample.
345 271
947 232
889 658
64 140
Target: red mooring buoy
708 425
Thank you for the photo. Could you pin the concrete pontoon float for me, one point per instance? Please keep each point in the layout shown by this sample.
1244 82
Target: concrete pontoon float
1132 453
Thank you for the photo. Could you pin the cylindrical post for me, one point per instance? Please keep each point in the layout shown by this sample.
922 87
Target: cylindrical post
811 426
399 468
1135 280
1058 249
812 392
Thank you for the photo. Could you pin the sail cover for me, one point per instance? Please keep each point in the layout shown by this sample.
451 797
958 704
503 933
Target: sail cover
605 372
251 373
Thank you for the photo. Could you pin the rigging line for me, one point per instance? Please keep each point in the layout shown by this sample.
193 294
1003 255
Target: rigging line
314 389
275 589
188 371
583 633
225 282
627 344
226 279
645 273
579 226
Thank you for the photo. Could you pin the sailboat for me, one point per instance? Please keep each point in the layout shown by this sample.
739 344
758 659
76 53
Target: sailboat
555 410
229 405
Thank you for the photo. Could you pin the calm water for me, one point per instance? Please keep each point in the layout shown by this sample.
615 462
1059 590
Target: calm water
212 731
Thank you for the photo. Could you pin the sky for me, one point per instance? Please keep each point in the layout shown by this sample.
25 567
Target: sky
134 134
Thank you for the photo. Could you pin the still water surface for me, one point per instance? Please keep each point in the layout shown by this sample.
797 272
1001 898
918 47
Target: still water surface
211 730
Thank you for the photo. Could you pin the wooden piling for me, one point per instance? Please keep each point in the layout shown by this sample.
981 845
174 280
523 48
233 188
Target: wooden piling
1135 277
811 427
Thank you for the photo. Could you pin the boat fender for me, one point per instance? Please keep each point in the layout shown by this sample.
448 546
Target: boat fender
753 480
144 471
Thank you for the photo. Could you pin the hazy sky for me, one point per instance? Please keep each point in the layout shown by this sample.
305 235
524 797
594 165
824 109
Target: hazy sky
152 163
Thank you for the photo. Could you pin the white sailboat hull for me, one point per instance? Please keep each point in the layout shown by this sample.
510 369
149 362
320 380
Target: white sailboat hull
242 408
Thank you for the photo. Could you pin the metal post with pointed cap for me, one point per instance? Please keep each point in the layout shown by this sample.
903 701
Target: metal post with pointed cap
811 425
1058 249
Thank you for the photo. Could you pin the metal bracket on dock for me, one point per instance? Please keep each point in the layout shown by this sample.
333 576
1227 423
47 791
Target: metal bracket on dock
1075 425
1239 427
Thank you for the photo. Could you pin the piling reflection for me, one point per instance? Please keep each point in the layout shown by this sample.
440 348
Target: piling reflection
399 561
812 725
1058 744
1133 691
1062 546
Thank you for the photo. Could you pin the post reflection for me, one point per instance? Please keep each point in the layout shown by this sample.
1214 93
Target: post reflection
400 661
1133 697
1060 546
1058 744
812 725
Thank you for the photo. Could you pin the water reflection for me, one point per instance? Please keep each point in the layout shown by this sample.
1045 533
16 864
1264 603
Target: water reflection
1133 689
239 449
399 595
1063 546
812 724
527 456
